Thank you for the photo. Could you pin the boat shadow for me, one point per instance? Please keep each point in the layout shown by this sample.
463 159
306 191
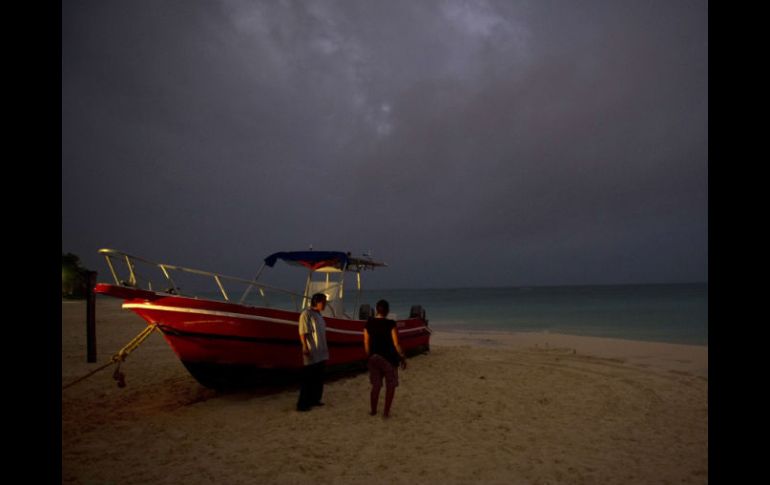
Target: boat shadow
247 383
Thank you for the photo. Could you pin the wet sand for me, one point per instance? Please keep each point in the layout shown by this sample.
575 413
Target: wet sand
479 408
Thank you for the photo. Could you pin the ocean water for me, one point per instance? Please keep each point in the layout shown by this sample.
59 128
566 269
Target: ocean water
659 313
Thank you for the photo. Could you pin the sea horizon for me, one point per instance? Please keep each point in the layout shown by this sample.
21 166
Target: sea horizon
666 312
575 285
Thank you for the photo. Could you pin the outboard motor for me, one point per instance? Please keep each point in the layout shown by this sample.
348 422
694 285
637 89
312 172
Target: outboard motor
417 311
365 312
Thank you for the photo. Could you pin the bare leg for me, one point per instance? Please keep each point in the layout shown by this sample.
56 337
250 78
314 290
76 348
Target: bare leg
374 397
390 391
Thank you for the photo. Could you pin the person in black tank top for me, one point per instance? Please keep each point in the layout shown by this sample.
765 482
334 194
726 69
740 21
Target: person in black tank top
385 355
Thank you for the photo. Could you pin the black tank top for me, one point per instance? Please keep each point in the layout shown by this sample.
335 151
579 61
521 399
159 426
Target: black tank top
380 340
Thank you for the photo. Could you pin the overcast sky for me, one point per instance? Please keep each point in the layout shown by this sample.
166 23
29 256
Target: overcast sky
465 143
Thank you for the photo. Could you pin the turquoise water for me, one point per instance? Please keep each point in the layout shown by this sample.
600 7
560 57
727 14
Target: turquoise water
661 313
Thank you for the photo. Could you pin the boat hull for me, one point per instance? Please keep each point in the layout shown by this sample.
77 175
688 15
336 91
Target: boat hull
210 336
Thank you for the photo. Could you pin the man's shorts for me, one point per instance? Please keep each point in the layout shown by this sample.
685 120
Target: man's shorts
379 367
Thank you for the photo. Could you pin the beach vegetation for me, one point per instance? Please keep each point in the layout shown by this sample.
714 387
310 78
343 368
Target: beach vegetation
74 277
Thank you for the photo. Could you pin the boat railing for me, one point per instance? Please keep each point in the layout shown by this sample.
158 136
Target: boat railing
136 278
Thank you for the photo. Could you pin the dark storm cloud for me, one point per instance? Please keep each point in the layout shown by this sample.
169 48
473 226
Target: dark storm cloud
466 142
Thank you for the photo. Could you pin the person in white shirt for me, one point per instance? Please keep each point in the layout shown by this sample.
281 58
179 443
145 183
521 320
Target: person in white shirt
315 353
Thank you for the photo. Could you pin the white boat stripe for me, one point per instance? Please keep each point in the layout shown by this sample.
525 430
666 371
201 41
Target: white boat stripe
150 306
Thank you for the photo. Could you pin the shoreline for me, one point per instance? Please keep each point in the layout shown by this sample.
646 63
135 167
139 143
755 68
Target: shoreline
662 355
458 328
469 332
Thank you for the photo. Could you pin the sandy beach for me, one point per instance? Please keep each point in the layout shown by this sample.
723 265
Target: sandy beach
479 408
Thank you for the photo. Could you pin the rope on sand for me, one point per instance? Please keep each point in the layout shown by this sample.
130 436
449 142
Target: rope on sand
119 358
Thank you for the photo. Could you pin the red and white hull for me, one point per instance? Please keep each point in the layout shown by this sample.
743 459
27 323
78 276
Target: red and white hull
206 334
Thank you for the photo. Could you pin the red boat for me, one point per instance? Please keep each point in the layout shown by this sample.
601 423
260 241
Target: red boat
223 342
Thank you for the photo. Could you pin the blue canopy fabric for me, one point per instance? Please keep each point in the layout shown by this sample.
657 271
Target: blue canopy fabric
313 260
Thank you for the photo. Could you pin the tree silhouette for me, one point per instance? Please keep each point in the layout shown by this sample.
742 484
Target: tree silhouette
74 277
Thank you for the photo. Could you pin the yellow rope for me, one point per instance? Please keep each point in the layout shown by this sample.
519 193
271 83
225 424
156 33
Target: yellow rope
120 355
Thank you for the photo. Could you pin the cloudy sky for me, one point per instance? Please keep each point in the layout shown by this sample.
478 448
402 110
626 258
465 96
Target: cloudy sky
466 143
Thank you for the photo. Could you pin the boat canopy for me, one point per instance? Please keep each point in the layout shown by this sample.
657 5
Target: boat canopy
323 260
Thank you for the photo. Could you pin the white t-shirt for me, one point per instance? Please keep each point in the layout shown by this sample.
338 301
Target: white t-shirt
312 324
